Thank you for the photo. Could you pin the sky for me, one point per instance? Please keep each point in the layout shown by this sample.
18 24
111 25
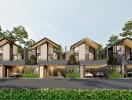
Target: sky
67 21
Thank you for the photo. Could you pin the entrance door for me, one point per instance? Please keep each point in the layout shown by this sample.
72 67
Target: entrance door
46 71
7 71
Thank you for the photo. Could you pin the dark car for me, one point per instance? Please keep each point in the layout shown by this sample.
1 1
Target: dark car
99 74
129 74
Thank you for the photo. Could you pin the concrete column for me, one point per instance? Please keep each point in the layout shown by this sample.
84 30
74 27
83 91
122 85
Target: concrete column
41 71
2 72
81 71
122 69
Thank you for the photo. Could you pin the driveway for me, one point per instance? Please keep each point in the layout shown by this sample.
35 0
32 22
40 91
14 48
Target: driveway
67 83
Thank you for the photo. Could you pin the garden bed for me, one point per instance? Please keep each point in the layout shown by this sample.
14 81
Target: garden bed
64 94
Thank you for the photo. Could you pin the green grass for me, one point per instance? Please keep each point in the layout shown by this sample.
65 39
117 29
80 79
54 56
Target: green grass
72 75
64 94
30 75
116 76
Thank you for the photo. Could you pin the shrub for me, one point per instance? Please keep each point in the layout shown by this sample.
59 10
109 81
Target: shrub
65 94
115 76
30 75
72 75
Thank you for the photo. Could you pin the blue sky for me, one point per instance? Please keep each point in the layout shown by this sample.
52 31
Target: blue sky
67 21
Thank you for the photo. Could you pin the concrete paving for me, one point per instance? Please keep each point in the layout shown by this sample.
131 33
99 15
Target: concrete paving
67 83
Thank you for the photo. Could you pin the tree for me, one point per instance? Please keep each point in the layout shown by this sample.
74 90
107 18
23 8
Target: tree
113 39
1 34
18 35
72 60
33 60
127 30
29 43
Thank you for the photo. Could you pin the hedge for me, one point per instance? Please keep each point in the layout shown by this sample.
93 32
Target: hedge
72 75
64 94
30 75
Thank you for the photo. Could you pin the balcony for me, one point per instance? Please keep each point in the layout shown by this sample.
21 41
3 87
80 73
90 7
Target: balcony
95 62
16 62
52 57
54 62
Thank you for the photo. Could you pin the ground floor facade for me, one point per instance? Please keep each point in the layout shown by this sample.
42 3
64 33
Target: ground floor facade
52 70
46 71
10 71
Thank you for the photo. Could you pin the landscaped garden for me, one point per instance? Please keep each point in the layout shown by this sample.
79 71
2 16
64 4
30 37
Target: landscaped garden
72 75
64 94
29 72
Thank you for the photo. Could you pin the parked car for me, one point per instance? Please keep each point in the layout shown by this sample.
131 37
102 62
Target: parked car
88 74
99 74
129 74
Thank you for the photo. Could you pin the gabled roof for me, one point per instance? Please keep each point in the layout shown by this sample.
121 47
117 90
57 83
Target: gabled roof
4 41
125 41
44 40
87 41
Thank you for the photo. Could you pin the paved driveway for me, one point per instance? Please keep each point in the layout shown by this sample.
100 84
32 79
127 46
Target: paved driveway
66 83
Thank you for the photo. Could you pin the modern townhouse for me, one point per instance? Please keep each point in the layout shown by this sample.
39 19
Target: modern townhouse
120 53
11 59
85 52
49 58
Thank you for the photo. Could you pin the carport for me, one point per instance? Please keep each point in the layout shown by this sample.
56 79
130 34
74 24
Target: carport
93 67
11 68
51 68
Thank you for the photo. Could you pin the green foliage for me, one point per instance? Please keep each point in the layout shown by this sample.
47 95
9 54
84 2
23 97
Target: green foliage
113 39
29 69
127 30
115 76
29 43
32 60
72 60
65 94
112 60
20 50
30 75
18 34
72 75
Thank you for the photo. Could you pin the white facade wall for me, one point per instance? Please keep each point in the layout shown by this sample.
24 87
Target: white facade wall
82 52
43 52
6 52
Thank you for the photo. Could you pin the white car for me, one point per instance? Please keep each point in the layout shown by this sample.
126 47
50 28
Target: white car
88 74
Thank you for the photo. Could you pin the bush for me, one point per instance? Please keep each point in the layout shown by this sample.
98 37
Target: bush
30 75
115 76
65 94
72 75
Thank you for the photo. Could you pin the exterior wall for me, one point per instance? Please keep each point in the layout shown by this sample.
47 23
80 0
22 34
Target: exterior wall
44 52
6 52
91 53
2 71
81 71
50 48
82 52
15 52
41 71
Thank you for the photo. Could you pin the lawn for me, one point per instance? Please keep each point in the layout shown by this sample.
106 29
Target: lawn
64 94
